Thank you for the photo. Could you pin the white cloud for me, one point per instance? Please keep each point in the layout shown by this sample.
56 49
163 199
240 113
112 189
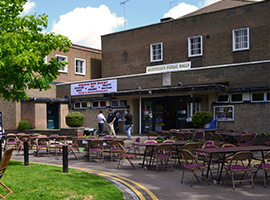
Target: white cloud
208 2
180 10
84 26
27 7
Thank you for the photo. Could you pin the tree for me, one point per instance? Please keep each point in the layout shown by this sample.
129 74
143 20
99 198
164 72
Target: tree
23 47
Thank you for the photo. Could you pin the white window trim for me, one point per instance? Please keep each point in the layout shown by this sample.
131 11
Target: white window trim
81 107
151 52
84 64
264 97
189 46
237 101
223 101
99 106
66 67
233 36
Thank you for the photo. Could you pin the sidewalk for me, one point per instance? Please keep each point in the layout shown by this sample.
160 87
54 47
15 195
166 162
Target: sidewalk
162 185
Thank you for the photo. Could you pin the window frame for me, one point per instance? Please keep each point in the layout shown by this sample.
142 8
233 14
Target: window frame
83 67
264 97
231 100
152 52
66 67
223 101
234 39
99 104
81 105
190 49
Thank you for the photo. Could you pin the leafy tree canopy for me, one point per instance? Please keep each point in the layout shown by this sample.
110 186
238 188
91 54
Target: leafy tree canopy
23 47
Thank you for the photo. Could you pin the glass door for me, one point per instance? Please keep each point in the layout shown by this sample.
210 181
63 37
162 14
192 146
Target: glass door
147 116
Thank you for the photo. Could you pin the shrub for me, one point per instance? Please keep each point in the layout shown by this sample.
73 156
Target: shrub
24 124
199 119
74 119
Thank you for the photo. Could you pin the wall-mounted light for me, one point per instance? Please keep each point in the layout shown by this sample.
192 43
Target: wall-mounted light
179 84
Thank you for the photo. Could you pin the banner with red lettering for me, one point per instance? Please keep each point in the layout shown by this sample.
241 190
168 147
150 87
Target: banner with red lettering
94 87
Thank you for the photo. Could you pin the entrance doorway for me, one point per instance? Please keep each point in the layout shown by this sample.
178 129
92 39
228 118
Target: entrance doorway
164 113
52 116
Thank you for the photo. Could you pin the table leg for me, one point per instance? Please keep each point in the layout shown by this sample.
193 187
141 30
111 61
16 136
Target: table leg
265 173
209 164
144 157
221 169
151 157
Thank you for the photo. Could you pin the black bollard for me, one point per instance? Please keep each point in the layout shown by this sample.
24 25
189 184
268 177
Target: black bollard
65 158
26 152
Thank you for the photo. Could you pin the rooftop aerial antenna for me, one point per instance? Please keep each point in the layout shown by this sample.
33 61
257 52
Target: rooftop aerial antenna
124 2
171 6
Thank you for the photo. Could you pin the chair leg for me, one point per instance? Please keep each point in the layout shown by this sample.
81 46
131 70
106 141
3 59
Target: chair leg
183 175
233 179
9 191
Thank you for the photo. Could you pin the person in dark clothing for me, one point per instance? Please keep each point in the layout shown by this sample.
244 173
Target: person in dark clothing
110 119
115 123
128 124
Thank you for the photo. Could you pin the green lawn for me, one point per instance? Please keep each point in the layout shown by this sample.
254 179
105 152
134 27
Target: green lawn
38 181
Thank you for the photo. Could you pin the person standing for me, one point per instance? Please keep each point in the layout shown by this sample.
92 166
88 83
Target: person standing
128 124
110 119
101 120
115 123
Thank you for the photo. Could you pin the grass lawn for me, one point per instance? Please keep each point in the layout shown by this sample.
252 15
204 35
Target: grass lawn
38 181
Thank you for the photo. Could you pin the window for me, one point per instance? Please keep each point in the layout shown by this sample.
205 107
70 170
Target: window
79 66
223 98
260 96
241 39
236 98
195 46
119 103
79 105
156 52
59 59
99 104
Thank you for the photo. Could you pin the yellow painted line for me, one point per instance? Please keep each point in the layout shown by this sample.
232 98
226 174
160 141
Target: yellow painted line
135 183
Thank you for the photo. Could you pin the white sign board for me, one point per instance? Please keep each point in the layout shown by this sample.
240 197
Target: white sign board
168 67
94 87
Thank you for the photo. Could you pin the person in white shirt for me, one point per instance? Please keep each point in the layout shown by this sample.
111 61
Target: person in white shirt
101 120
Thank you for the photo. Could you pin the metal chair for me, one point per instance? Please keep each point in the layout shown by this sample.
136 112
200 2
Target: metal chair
163 152
124 155
195 166
43 143
3 166
152 135
96 146
264 166
236 168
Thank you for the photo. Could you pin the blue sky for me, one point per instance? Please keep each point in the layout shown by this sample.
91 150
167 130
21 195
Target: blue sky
84 21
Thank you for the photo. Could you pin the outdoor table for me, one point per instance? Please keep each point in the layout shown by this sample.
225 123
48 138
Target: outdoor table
232 150
232 136
153 145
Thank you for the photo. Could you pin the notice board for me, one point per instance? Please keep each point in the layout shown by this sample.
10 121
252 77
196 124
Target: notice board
224 113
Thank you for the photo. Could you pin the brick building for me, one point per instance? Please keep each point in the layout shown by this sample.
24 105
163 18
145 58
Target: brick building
44 109
215 59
